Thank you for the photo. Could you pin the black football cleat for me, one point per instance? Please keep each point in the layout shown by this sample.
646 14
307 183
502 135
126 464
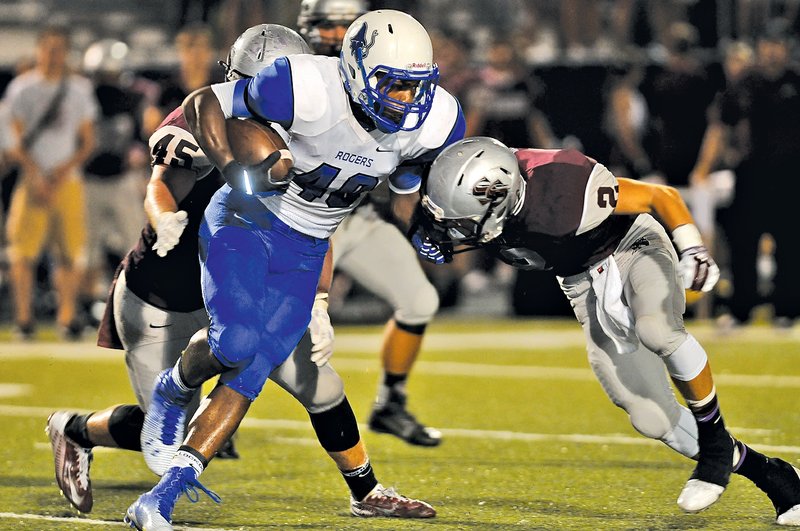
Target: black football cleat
393 418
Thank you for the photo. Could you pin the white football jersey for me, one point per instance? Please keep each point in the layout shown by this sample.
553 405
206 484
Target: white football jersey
337 161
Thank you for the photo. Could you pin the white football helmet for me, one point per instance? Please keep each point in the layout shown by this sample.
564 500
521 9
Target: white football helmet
258 46
326 14
106 55
474 185
381 50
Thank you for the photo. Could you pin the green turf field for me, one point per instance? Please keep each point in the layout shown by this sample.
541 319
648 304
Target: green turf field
531 441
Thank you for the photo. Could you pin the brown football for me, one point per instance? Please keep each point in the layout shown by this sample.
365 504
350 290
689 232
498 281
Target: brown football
252 142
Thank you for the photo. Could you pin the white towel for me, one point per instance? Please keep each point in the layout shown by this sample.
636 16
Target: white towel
614 317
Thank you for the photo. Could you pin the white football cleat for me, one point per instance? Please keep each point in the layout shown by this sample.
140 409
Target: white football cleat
698 495
790 517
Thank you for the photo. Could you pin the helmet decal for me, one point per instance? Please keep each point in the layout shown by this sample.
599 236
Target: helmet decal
487 192
358 43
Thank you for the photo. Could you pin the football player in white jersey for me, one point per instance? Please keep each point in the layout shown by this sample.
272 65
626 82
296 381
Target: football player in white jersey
561 211
373 114
155 304
372 251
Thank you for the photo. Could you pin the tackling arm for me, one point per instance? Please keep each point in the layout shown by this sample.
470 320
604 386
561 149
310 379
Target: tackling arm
636 197
166 188
697 268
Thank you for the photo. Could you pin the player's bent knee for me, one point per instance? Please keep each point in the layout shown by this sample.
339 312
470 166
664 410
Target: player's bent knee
328 392
420 308
336 428
236 342
649 419
657 335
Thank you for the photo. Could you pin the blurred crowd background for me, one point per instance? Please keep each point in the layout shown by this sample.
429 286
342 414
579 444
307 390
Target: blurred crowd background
699 94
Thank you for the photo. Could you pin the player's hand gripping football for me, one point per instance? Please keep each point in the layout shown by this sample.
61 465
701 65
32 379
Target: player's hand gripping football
169 228
321 331
258 178
697 269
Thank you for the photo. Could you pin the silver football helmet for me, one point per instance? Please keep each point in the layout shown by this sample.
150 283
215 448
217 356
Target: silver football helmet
326 14
258 46
474 185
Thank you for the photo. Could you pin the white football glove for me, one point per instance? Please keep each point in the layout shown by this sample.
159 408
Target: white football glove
169 228
697 269
321 332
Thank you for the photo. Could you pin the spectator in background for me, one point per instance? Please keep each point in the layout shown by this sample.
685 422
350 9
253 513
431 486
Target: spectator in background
626 120
195 47
114 173
185 10
502 104
767 101
718 152
52 114
679 100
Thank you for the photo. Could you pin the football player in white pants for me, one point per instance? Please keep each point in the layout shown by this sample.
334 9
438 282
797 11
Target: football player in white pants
376 255
559 210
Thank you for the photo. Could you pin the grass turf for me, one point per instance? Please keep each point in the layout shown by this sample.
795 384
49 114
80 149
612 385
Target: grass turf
525 383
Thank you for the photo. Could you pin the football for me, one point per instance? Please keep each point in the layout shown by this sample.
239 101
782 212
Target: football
252 142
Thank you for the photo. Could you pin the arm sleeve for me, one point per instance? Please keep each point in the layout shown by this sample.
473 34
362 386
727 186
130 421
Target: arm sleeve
407 178
268 96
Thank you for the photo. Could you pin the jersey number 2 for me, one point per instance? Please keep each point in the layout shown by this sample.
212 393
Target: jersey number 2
607 195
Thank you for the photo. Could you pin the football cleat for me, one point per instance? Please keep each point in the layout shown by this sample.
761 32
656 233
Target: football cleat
782 486
72 463
382 501
153 510
162 431
394 418
713 470
698 495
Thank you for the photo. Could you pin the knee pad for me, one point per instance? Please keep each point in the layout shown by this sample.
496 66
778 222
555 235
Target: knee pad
657 336
687 361
649 419
125 427
336 428
420 307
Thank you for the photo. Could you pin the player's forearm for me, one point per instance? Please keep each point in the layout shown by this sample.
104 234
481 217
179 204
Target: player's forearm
206 120
403 206
157 200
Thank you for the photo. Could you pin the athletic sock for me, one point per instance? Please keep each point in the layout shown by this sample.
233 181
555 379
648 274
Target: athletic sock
77 431
360 480
186 456
392 389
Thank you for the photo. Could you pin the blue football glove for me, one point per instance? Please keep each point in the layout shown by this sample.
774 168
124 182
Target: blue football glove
428 249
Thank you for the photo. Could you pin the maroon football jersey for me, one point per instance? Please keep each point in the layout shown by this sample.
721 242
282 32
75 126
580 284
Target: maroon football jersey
171 282
566 223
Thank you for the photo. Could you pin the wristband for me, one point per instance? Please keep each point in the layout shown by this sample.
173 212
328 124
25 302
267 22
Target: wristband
686 236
